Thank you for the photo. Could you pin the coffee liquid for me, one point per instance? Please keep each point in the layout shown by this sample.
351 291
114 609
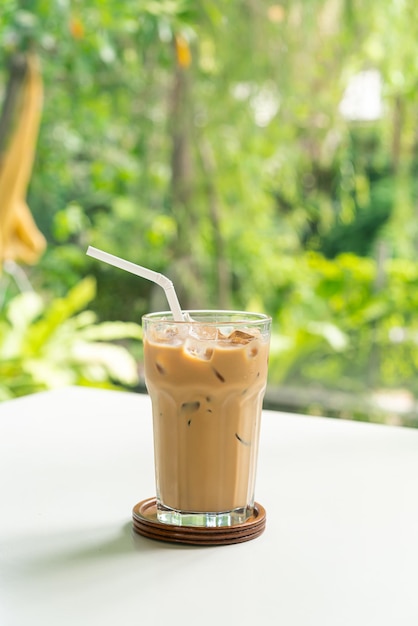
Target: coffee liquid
207 398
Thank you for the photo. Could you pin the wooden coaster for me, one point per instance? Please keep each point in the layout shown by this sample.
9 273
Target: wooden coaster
145 522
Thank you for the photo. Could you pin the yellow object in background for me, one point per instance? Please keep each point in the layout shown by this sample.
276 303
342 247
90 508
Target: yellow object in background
183 54
20 239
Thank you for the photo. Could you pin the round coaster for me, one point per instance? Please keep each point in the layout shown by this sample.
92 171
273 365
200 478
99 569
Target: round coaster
145 522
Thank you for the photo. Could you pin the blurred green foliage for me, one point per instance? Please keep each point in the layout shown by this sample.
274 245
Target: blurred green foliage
237 175
43 346
343 332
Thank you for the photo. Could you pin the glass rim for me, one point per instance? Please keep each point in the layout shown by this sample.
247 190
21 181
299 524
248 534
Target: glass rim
220 317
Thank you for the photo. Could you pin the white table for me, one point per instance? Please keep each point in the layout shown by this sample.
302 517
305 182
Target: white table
340 547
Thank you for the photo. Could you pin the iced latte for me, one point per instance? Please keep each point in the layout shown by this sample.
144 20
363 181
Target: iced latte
206 378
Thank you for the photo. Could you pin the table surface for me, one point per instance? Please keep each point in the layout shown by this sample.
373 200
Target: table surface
340 546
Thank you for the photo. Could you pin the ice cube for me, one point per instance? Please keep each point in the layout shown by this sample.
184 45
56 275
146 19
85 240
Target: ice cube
208 333
171 334
239 336
198 349
190 407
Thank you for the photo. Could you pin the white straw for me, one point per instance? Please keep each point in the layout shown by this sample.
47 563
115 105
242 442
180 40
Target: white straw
144 272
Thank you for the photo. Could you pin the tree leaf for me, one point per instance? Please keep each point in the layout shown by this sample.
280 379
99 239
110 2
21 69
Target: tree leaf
23 309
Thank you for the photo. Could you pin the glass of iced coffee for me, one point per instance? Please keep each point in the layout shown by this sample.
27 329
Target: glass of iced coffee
206 377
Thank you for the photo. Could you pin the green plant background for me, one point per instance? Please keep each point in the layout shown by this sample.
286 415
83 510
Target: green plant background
237 176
